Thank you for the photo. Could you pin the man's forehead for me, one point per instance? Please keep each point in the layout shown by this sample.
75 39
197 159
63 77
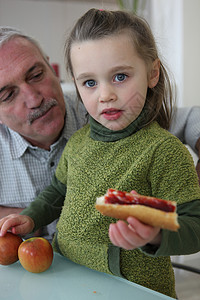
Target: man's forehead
17 47
18 52
17 58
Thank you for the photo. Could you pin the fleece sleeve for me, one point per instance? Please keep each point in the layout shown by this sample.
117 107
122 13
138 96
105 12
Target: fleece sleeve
174 243
47 206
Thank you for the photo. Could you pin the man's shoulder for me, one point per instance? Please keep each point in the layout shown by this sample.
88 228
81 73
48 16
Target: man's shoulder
74 105
4 134
81 134
75 116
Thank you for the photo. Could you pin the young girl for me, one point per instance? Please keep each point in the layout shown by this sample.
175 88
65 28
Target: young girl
114 62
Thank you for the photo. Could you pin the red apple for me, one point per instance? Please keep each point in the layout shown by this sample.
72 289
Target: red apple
9 245
35 254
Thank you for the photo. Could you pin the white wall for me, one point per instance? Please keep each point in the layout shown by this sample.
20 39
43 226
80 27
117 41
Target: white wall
191 48
47 21
166 20
176 26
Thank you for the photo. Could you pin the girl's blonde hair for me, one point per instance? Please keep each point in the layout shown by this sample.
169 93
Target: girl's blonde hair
97 24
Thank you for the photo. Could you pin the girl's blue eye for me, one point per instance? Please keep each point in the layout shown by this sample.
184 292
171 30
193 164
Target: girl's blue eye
120 77
90 83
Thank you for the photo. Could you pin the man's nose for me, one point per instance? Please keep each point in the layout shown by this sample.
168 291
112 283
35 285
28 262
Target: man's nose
32 97
107 93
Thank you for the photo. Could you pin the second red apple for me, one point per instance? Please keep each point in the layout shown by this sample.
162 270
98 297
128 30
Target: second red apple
35 254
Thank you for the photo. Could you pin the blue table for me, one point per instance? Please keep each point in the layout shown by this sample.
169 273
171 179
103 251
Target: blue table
65 280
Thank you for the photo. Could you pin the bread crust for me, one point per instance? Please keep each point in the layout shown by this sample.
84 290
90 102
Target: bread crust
147 215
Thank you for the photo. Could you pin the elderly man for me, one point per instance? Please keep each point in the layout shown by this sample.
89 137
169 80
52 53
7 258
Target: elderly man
36 122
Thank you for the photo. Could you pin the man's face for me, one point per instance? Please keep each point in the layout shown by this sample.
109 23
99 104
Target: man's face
31 98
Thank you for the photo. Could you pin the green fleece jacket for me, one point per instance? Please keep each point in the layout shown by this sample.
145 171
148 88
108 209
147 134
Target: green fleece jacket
150 161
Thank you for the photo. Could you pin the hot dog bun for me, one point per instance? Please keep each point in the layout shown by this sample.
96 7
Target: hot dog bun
148 215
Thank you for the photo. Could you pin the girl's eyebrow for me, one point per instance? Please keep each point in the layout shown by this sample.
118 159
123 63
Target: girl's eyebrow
113 70
122 67
84 75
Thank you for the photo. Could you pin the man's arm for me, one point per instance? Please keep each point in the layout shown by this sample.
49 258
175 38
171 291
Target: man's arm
5 211
198 162
198 147
186 125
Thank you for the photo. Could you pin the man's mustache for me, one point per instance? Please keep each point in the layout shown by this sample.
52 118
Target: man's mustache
42 110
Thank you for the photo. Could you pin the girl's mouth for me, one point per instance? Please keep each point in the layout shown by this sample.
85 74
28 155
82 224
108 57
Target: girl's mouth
111 114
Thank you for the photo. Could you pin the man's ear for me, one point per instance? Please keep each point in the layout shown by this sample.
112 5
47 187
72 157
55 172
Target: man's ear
154 73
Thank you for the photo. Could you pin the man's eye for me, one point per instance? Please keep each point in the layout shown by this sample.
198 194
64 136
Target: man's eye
120 77
90 83
36 76
7 96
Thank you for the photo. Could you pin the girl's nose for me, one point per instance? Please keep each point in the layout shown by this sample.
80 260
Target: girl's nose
107 93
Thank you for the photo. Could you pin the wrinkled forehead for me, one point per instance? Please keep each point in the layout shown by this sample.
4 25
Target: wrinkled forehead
17 45
17 56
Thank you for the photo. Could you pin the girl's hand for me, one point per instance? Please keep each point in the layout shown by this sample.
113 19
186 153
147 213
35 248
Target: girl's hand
134 234
17 224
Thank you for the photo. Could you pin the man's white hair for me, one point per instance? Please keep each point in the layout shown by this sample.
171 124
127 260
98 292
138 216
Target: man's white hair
9 33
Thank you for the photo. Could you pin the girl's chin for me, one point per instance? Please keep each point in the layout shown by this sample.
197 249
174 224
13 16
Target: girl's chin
116 127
